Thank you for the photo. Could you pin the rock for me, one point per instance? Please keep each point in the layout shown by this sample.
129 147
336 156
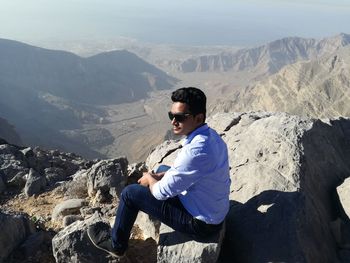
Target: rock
30 156
54 174
2 185
283 168
68 162
164 153
68 207
70 219
107 178
14 230
12 161
72 244
19 180
135 171
35 243
176 247
344 196
77 188
148 225
35 183
284 171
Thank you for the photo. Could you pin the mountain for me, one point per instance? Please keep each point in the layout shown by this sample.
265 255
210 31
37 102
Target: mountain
46 94
319 88
8 132
107 78
266 59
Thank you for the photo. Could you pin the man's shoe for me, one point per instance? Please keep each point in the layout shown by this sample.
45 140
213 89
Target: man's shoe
100 236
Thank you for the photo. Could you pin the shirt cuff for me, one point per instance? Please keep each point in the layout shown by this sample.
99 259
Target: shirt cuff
156 192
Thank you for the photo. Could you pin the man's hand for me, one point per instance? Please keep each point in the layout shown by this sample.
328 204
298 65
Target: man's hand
147 180
144 180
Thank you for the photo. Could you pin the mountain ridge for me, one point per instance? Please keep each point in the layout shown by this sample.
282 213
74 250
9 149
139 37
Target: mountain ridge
266 59
317 88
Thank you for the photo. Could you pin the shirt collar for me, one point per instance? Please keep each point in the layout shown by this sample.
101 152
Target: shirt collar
197 131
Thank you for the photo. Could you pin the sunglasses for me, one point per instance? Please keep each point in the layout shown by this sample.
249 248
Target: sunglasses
179 117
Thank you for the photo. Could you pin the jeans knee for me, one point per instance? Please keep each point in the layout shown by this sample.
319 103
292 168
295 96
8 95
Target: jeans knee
131 192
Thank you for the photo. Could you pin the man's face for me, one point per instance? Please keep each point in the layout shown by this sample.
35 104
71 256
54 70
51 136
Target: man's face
190 122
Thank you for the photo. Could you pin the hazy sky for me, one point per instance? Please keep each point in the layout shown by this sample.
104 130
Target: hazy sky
188 22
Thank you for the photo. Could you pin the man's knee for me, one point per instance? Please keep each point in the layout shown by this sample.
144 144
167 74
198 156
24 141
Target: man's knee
133 192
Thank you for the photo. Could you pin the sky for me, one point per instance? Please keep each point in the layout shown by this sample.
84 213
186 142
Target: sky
179 22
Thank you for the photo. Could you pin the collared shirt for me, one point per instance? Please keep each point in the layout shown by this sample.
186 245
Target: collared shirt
199 176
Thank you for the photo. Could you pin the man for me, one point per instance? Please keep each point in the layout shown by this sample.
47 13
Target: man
192 196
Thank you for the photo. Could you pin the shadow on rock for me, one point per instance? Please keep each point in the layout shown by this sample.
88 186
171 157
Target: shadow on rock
264 229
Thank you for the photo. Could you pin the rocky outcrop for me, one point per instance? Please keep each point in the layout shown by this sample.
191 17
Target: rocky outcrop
284 172
284 202
34 169
14 230
107 178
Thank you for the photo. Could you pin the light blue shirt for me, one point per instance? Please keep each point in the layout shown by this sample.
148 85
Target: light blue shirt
199 176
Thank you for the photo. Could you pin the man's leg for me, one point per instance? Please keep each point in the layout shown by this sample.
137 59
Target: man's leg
135 198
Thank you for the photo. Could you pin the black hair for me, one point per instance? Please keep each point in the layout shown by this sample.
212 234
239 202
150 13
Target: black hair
193 97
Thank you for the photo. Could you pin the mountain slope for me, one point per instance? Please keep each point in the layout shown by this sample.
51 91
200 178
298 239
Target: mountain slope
108 78
266 59
318 88
48 94
8 132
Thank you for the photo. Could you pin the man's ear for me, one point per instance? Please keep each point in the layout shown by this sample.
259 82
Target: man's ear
199 118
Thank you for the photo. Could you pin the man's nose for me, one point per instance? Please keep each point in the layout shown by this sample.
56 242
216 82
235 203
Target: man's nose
174 122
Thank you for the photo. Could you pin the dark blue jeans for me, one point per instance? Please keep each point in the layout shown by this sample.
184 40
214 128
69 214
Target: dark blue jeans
135 198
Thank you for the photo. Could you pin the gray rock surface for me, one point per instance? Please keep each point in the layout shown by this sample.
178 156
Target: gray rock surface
70 219
68 207
14 230
54 174
107 178
283 168
284 173
35 243
72 244
35 183
149 226
344 196
164 153
176 247
2 185
12 161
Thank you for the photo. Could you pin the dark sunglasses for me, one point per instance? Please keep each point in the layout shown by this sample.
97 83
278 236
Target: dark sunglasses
179 117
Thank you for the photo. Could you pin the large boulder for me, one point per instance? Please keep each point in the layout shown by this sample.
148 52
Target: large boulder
107 178
35 183
176 247
284 173
14 230
72 244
